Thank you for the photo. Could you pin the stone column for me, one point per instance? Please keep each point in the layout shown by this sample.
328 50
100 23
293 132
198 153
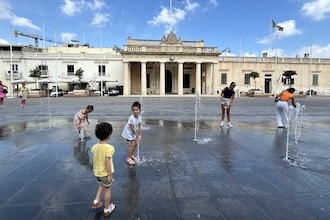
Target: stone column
162 79
127 79
215 78
198 78
180 78
143 78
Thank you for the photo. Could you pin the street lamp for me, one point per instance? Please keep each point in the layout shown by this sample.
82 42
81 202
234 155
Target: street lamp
224 50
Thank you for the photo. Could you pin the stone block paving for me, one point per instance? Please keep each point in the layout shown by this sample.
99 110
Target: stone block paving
189 168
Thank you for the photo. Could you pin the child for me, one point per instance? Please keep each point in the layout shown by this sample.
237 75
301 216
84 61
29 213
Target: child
3 91
23 93
81 121
103 167
132 132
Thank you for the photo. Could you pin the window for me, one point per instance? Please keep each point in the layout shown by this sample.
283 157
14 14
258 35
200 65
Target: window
101 70
315 80
43 70
70 70
247 78
223 78
186 81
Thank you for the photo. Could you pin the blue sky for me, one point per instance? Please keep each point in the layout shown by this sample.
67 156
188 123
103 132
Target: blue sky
242 25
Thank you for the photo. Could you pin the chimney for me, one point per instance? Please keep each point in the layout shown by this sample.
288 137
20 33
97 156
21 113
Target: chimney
265 55
306 55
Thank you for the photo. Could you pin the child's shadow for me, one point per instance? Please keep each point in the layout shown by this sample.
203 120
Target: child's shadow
81 153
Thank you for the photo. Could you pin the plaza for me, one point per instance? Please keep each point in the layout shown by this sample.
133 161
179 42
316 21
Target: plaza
189 168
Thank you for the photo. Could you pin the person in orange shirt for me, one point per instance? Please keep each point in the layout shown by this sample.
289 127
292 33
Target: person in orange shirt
282 107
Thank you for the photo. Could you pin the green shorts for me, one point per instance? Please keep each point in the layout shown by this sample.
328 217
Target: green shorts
104 181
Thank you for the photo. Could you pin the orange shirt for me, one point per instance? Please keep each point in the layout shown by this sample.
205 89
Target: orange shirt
286 96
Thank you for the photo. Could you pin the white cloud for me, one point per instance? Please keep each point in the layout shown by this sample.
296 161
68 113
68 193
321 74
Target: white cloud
23 22
96 5
213 2
7 14
170 21
70 7
289 29
67 37
190 6
3 41
5 10
317 51
316 9
100 19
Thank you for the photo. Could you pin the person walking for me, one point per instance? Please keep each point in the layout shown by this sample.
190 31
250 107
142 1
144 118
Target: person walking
103 167
80 121
3 91
23 92
282 107
132 132
226 99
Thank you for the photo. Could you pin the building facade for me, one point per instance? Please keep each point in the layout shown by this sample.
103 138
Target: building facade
159 67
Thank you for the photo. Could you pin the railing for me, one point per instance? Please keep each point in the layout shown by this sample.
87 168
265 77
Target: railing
169 49
274 60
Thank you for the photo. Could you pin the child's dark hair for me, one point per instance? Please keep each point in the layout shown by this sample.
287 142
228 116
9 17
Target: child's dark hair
90 107
103 130
136 104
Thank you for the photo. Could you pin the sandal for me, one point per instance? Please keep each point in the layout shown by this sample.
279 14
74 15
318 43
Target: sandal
109 210
134 159
130 161
97 204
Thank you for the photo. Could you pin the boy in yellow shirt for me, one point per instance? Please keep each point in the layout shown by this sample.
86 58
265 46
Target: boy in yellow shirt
103 167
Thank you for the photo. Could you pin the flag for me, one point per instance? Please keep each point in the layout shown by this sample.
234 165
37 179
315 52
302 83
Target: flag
277 26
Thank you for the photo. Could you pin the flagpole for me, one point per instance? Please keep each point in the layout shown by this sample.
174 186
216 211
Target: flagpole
310 66
11 64
270 37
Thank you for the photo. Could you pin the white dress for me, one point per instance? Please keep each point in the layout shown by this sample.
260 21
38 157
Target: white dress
127 131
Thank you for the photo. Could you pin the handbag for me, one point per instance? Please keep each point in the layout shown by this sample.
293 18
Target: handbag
5 91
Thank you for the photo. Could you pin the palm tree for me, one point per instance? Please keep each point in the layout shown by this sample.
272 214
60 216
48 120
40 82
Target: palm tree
288 75
254 75
35 74
79 73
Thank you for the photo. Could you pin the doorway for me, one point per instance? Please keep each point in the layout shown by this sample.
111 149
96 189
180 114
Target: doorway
168 81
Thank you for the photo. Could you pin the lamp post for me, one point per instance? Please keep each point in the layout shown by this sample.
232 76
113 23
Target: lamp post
101 63
227 49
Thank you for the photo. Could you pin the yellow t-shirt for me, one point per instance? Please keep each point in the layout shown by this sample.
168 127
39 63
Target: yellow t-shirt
100 152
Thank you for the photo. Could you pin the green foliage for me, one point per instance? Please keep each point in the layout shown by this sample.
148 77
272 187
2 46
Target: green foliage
254 75
79 73
35 74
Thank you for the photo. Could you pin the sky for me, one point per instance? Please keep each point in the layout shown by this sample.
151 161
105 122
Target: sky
244 26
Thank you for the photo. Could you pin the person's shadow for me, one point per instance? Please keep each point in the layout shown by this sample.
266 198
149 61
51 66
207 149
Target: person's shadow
81 154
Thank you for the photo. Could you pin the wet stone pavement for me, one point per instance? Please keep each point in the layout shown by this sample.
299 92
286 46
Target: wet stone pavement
189 168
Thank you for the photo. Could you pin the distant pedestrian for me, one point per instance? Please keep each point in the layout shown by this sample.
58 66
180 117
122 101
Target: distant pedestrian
23 93
103 167
226 99
81 120
282 107
132 132
3 91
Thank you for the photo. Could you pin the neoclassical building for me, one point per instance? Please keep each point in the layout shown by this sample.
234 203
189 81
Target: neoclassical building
169 66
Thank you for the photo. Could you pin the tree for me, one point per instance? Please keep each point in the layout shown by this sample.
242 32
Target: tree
79 73
288 76
35 74
254 75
